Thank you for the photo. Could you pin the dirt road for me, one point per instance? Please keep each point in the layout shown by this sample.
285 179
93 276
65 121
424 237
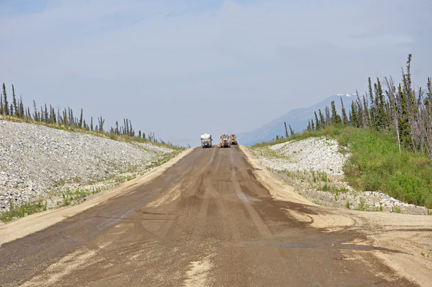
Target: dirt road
215 218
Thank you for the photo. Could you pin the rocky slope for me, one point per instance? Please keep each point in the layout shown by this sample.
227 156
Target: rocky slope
312 154
314 166
35 160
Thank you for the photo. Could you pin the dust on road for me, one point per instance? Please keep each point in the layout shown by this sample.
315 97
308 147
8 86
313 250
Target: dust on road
216 218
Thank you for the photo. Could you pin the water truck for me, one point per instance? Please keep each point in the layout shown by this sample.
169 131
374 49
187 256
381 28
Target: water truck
206 140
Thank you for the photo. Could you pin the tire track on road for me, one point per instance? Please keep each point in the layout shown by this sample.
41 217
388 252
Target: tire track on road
202 213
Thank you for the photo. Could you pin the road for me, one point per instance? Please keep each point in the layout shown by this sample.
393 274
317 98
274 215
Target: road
208 220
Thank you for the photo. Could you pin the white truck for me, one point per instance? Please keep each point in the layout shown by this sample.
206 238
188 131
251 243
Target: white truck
206 140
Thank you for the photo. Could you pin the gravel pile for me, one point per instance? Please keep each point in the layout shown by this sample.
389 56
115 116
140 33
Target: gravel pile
35 159
318 154
388 201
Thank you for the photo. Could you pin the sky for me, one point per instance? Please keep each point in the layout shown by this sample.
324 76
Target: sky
184 68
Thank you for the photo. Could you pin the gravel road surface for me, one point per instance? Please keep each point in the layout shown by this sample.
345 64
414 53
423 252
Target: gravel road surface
215 217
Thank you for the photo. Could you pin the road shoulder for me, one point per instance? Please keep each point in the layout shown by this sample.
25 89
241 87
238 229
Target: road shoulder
277 188
39 221
408 236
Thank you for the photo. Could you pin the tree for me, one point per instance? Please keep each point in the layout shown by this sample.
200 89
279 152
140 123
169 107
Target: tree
322 120
101 123
81 118
372 106
318 126
54 117
291 130
21 108
131 131
366 118
36 118
71 120
404 127
65 117
1 105
46 114
344 116
5 101
286 130
407 76
125 126
327 116
428 116
15 104
41 114
393 108
353 116
381 114
335 118
412 106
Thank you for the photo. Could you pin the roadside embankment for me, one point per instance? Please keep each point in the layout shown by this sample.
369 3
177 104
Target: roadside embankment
314 166
39 221
401 241
37 162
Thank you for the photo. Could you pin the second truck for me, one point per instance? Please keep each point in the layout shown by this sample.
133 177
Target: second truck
225 140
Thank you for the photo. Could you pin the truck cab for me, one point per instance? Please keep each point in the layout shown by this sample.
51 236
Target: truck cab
206 140
225 140
233 139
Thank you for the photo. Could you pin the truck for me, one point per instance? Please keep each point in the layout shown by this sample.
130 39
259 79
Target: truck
233 139
225 141
206 140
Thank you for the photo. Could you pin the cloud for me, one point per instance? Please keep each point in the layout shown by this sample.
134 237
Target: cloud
168 65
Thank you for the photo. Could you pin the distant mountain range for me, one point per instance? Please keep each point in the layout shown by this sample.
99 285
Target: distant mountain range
298 119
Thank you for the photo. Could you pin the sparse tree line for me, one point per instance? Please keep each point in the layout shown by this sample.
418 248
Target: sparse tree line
48 114
399 108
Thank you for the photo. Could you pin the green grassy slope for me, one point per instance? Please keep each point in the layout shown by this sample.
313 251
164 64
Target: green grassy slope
376 164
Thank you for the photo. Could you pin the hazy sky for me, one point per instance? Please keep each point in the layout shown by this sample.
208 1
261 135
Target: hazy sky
184 68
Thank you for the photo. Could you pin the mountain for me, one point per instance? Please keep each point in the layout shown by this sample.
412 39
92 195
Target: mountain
297 118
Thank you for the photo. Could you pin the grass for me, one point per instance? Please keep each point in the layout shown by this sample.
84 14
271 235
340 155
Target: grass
347 205
376 164
396 209
268 153
362 205
317 202
22 210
